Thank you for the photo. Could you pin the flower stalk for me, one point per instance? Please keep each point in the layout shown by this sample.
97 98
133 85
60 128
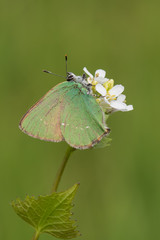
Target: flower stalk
58 177
61 169
36 236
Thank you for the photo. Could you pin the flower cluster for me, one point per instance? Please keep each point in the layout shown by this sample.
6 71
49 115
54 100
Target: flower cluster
110 97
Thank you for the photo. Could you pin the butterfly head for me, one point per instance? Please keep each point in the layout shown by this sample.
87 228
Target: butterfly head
72 77
80 79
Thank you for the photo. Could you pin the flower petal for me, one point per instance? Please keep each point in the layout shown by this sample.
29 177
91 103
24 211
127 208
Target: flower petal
129 108
100 73
101 80
87 72
118 105
100 89
116 90
121 98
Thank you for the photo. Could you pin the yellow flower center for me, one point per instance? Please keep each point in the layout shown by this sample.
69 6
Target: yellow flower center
110 97
94 82
97 75
109 84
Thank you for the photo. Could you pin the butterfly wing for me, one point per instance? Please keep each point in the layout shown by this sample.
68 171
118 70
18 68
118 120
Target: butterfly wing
67 113
43 119
82 120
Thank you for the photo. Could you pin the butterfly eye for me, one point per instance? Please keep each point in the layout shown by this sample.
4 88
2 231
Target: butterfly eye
70 76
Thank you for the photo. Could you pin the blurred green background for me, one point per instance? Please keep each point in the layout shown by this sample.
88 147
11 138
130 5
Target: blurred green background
119 195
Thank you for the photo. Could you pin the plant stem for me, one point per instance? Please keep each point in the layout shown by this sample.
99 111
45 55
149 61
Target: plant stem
36 236
61 169
58 178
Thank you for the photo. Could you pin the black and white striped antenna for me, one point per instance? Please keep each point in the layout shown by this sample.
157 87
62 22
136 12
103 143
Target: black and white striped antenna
46 71
66 63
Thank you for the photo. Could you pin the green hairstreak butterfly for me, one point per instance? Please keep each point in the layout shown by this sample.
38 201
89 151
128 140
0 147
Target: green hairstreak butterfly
68 112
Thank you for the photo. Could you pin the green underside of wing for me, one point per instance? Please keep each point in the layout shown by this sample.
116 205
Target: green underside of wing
43 119
67 113
82 120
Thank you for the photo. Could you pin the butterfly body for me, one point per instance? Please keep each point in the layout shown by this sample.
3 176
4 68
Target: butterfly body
67 112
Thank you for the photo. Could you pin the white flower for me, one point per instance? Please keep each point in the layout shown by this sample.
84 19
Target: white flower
99 76
116 90
111 98
115 99
100 89
87 72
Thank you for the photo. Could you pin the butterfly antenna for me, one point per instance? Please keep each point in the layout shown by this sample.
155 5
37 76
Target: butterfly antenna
66 62
46 71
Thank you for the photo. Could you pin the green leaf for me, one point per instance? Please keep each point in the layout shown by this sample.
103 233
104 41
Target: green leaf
49 214
105 142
